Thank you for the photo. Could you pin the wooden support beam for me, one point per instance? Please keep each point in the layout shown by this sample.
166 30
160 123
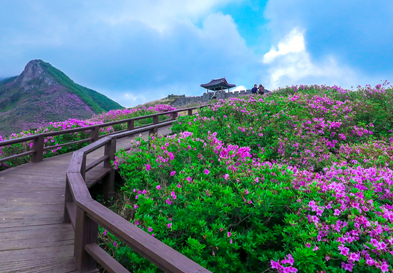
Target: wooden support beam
38 146
86 232
67 199
94 133
130 125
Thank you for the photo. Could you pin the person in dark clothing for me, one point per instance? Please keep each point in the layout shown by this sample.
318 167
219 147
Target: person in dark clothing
254 89
261 89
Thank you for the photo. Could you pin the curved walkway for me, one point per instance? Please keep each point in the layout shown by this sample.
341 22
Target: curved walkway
33 237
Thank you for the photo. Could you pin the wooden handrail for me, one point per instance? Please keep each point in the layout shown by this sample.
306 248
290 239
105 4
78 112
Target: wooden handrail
86 214
37 152
16 156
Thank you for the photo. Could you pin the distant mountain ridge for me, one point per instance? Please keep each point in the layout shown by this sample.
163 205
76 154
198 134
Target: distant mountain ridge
42 94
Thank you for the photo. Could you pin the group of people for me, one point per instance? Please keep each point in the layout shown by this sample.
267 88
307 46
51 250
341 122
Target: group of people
260 89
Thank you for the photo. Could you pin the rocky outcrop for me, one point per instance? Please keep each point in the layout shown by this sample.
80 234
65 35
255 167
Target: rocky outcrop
34 75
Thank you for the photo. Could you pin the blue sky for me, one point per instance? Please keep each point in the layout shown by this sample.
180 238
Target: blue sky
138 51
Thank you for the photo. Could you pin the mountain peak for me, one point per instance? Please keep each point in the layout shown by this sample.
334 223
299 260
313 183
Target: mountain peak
43 94
35 74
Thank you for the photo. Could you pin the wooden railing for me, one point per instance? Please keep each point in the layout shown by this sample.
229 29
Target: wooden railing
86 214
37 151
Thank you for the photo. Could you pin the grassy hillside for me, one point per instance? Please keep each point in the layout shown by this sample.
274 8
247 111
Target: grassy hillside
42 94
96 101
7 80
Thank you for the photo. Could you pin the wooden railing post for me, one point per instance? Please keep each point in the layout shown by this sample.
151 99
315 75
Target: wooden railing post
67 198
174 115
155 121
38 146
130 125
94 134
83 167
86 232
109 180
190 112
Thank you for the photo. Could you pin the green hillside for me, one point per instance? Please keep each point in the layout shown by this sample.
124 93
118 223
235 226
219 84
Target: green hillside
43 94
96 101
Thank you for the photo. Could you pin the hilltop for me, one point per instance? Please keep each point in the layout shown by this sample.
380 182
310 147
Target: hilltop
43 94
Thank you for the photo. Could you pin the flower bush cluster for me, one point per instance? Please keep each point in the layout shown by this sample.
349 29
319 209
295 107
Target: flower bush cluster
305 128
231 212
296 181
112 115
220 210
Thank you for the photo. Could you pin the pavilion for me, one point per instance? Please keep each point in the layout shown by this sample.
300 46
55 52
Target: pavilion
218 84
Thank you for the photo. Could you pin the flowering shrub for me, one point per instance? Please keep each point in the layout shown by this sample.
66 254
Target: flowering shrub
298 181
224 210
343 218
112 115
376 153
229 211
305 129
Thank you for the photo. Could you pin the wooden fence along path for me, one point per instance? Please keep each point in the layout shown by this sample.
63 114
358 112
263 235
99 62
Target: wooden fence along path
48 220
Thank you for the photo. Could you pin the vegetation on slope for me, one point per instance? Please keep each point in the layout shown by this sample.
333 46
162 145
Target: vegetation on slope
96 101
42 94
113 115
299 181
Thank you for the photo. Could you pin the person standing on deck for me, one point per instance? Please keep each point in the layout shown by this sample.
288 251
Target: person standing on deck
254 89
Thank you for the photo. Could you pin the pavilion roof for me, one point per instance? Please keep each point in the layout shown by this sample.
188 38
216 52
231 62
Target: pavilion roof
218 84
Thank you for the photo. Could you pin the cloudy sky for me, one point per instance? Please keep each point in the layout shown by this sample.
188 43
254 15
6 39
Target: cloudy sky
136 51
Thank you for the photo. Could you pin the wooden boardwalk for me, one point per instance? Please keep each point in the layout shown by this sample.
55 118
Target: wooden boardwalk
33 237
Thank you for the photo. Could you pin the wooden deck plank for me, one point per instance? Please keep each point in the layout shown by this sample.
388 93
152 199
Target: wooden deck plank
38 265
32 233
33 229
22 221
37 242
51 252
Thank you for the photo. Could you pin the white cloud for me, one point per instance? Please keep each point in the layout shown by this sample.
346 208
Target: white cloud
292 62
130 97
292 43
159 14
239 88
